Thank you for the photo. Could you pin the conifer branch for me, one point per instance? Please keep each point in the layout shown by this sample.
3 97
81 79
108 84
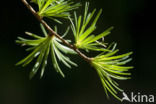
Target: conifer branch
109 66
53 33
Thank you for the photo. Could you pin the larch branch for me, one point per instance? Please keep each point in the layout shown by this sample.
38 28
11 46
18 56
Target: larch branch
52 32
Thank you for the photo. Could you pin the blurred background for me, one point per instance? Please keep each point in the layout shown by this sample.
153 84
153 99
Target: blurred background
134 23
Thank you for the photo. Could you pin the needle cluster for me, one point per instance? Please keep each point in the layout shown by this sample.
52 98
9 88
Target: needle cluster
109 66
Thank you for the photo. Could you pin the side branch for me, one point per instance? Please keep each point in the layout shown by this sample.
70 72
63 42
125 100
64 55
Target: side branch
52 32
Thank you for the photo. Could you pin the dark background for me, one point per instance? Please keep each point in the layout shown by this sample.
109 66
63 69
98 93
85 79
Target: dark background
134 22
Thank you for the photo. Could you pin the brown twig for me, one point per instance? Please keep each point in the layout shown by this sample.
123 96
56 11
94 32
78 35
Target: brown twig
52 32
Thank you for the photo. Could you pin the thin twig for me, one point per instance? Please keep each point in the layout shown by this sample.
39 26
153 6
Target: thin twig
52 32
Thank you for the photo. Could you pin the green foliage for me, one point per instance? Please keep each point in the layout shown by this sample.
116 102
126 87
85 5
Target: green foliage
84 37
41 47
34 1
107 65
53 9
111 67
